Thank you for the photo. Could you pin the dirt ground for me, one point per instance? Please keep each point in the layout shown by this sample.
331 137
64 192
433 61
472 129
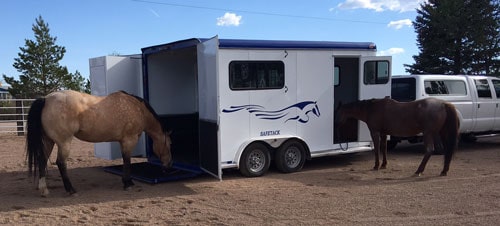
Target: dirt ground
340 190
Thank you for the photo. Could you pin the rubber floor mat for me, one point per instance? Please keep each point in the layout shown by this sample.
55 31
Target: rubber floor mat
153 173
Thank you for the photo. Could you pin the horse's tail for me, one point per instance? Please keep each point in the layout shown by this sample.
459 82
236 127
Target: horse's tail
35 135
449 134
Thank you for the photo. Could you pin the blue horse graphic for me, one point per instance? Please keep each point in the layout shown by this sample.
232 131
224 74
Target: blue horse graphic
299 111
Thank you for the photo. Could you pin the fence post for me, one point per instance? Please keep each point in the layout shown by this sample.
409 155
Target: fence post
20 117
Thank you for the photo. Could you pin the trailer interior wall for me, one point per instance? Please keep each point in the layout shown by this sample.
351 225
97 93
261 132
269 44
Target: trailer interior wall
346 91
109 74
172 92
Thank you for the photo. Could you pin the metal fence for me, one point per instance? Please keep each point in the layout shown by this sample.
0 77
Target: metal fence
13 115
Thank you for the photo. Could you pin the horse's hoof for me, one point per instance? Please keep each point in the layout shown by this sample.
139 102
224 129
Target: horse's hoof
443 174
128 185
417 174
375 169
383 167
127 188
74 194
44 193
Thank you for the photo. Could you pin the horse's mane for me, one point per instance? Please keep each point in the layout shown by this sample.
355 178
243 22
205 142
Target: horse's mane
148 106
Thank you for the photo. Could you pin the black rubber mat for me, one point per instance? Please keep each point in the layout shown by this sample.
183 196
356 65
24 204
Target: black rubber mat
153 173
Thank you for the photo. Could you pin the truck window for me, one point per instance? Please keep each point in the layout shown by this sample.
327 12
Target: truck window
483 88
403 89
376 72
445 87
256 75
496 85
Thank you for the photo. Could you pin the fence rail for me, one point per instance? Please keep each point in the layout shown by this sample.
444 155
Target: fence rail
13 115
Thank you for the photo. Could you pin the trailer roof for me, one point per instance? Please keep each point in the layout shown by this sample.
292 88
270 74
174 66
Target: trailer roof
263 44
289 44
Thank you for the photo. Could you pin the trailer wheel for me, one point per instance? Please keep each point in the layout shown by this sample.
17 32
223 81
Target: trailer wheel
255 160
290 157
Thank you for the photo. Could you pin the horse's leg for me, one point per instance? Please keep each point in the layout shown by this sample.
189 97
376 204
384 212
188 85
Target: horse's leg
429 149
42 167
438 144
62 156
127 146
376 147
383 149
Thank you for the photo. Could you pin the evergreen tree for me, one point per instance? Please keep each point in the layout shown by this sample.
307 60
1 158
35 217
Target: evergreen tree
457 37
38 63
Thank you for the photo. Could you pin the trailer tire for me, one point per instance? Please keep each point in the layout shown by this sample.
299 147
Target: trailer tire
290 157
255 160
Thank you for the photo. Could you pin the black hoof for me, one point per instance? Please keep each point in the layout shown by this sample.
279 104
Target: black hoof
72 192
127 184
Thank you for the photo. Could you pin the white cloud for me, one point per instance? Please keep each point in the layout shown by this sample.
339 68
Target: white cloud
398 24
229 19
391 52
381 5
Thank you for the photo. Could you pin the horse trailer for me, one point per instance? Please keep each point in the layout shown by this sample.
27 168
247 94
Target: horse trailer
249 103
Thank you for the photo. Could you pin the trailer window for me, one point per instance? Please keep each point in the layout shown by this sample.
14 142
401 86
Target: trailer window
336 76
445 87
376 72
253 75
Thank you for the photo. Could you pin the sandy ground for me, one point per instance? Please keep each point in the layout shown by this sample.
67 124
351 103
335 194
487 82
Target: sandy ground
340 190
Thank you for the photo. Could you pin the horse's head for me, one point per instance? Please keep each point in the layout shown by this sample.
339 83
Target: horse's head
340 114
357 110
162 149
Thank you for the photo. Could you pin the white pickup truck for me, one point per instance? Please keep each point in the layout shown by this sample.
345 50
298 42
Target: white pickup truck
476 98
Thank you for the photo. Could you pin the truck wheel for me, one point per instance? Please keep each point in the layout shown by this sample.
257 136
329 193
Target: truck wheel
468 138
290 157
255 160
391 144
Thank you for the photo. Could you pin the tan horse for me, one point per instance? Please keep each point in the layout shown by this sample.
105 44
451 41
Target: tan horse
62 115
436 119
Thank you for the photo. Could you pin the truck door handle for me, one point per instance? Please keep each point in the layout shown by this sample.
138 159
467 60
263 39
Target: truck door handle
478 105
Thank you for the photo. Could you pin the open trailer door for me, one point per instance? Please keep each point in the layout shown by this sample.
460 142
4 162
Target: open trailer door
209 106
374 82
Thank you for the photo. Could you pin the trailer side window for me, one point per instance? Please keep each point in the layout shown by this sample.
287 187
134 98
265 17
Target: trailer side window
376 72
255 75
336 76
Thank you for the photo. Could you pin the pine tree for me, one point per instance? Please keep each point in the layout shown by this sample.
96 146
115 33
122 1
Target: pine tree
457 37
38 63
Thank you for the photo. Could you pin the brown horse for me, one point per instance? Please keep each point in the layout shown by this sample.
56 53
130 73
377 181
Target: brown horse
62 115
436 119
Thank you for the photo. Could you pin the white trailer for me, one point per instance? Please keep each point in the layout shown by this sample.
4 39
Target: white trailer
247 103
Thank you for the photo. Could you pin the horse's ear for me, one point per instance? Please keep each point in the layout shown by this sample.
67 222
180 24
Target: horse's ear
169 132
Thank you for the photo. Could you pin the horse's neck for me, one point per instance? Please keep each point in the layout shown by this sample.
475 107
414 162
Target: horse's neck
360 114
152 126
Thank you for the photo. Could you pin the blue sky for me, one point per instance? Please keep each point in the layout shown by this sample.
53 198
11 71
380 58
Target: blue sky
92 28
